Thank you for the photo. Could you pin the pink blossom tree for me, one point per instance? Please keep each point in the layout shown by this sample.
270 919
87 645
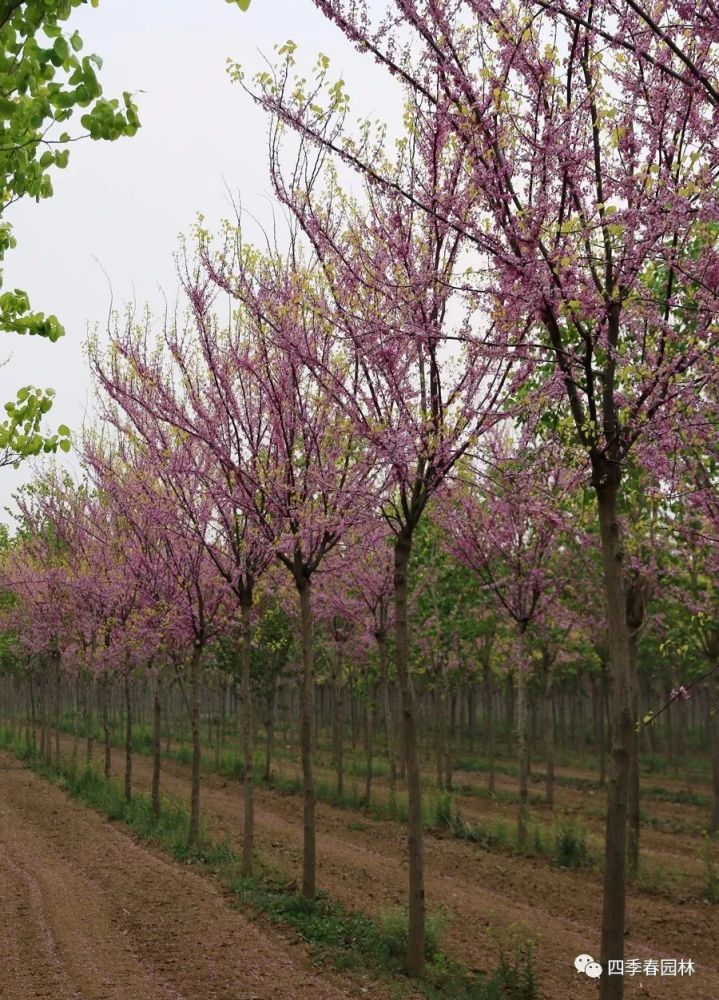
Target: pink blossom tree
590 168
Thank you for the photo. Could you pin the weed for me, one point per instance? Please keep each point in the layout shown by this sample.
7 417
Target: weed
516 975
570 846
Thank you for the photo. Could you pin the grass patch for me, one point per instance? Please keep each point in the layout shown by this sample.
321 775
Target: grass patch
570 846
352 940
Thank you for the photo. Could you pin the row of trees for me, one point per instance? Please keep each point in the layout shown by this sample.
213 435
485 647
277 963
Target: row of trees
510 330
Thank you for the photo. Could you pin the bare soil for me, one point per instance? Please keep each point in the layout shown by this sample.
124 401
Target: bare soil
86 913
482 894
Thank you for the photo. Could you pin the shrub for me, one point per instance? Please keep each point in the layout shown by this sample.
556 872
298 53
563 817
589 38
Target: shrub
570 846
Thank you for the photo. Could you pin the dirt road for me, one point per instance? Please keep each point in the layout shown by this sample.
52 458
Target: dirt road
88 914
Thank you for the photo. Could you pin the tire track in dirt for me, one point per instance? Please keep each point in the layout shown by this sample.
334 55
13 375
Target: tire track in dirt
88 914
362 862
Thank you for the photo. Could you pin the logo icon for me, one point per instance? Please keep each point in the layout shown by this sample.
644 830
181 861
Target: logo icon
587 965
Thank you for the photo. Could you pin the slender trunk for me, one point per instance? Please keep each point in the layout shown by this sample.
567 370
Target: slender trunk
309 853
45 735
128 736
337 719
369 725
603 715
89 719
156 755
713 727
106 727
387 707
522 748
489 723
353 707
33 714
223 717
448 727
194 832
75 726
471 714
509 702
614 899
248 834
636 589
439 734
416 936
633 822
668 715
549 735
270 728
58 712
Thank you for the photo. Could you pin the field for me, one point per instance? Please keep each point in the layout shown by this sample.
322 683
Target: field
359 602
80 887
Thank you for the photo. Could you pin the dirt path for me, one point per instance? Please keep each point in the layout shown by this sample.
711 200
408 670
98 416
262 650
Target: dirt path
88 914
483 894
673 853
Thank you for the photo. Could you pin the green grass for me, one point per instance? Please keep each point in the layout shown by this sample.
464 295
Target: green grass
565 843
352 940
570 846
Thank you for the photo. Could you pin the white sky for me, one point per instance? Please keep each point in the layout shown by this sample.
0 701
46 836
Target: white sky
125 203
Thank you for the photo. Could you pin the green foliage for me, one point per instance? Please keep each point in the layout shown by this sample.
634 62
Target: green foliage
352 940
516 974
44 82
570 846
20 435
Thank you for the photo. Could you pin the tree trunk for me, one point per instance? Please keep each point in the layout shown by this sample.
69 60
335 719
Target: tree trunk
194 833
309 851
270 728
248 835
471 715
713 726
439 729
522 748
449 727
603 717
549 735
89 719
337 719
58 711
489 723
416 936
107 727
75 725
223 718
637 591
369 726
388 717
156 756
509 703
633 822
614 898
33 713
128 736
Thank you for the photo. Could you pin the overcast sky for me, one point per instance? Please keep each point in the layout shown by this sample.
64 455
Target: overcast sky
124 204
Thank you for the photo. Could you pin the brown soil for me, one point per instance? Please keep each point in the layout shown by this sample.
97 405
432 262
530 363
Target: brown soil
670 852
88 914
482 894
